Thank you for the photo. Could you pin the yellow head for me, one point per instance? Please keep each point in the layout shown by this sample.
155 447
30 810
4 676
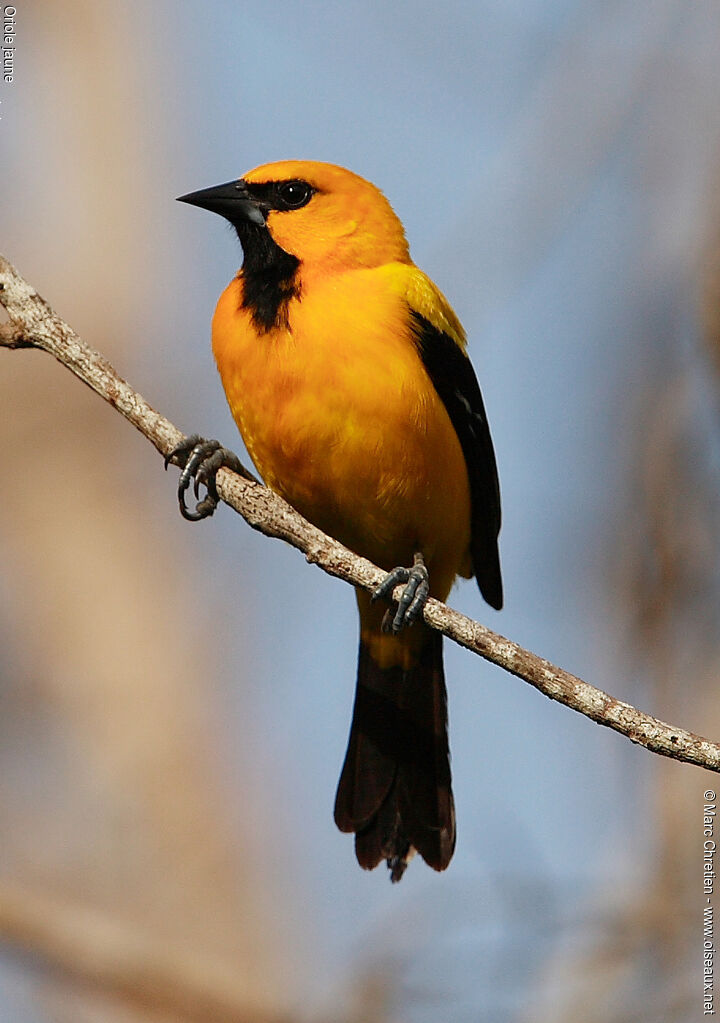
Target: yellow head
326 217
342 221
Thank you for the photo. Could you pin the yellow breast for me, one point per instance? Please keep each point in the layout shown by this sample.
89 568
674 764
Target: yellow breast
340 417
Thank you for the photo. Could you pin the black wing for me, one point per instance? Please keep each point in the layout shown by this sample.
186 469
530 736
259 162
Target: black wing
454 380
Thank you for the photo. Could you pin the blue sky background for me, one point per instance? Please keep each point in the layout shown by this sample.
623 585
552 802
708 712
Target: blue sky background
554 165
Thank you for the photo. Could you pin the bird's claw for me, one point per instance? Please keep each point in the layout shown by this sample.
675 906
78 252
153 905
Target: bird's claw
200 460
414 596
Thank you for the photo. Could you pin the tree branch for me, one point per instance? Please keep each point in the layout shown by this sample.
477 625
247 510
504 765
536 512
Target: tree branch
34 324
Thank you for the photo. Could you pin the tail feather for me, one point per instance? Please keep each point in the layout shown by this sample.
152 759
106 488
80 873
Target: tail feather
395 787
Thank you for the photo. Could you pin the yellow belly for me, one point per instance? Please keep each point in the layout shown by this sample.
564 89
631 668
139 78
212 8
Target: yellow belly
341 419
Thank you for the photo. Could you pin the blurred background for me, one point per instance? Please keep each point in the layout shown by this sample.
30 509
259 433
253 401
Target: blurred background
175 698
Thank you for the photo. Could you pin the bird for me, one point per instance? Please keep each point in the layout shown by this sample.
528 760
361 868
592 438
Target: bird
347 374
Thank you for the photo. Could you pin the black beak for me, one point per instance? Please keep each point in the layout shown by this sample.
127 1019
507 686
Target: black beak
231 200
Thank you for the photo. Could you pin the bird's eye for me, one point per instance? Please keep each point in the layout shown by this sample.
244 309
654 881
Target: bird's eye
294 194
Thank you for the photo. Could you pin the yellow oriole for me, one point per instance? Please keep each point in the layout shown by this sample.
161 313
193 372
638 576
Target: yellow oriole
345 369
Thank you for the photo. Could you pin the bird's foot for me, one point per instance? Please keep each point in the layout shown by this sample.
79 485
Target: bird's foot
200 460
414 597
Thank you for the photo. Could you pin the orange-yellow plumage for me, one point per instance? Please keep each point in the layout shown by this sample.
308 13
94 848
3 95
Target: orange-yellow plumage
344 368
340 418
348 225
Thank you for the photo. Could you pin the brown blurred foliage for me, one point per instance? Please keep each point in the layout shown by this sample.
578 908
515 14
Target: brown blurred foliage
637 955
122 874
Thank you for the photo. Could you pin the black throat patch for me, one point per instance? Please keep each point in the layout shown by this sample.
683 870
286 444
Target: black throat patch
269 276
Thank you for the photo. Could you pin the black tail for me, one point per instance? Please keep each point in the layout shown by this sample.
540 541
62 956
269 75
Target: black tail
395 791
